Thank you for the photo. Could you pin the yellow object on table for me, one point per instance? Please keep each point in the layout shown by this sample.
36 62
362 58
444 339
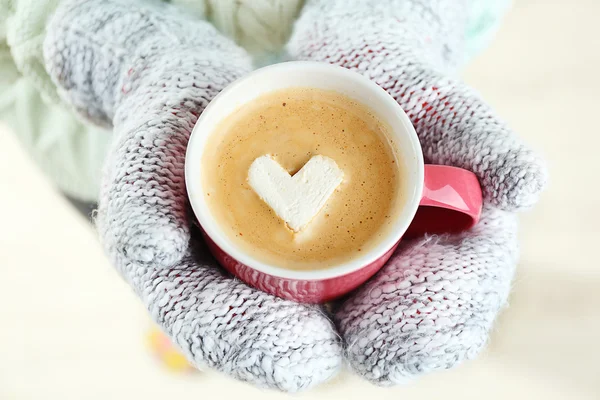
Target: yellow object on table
166 352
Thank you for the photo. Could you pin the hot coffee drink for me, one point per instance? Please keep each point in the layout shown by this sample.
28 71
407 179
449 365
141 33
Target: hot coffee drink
292 127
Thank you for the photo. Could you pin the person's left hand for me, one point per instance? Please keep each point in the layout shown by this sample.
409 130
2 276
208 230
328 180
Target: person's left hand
433 304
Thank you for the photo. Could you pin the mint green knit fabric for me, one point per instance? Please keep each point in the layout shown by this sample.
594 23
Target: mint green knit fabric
71 152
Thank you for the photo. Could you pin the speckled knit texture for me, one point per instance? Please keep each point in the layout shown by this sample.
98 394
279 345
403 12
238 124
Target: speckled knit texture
150 72
410 48
433 305
220 322
141 70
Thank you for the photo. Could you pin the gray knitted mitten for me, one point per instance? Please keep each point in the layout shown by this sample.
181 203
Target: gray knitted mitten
149 72
433 304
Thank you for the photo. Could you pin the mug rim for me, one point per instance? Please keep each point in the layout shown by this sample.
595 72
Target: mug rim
201 210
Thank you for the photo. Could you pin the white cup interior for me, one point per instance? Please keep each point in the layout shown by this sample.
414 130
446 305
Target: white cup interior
321 76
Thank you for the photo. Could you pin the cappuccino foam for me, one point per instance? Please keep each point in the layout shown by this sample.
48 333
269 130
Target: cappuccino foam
292 126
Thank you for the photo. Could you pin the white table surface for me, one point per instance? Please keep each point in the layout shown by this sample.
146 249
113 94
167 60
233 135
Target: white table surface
71 329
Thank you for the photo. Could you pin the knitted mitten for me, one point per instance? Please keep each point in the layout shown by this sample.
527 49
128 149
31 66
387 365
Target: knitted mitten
149 72
433 304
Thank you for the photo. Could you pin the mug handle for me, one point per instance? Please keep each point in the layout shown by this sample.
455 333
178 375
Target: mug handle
451 201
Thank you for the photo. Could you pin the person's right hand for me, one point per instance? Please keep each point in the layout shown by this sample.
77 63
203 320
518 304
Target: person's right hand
148 72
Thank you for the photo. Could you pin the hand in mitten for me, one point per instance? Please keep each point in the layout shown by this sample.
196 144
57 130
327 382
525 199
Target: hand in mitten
433 304
148 72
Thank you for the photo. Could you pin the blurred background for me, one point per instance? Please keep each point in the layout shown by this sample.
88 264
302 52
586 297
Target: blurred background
71 329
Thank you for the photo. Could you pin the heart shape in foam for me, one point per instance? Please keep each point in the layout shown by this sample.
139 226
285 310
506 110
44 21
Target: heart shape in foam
295 199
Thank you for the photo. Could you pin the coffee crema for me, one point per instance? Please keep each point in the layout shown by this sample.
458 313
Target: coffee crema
293 125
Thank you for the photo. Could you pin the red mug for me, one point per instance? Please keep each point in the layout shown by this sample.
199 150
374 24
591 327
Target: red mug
440 198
